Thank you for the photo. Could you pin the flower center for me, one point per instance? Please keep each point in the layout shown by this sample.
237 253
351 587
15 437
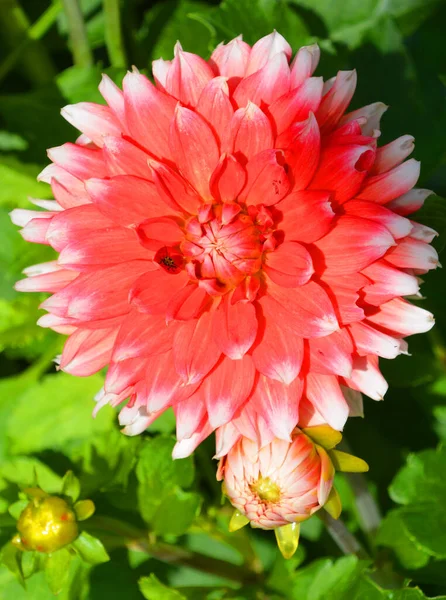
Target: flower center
266 489
225 243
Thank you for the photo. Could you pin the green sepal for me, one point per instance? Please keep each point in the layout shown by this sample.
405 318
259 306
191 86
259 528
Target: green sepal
57 569
30 563
90 549
16 509
71 486
11 557
84 509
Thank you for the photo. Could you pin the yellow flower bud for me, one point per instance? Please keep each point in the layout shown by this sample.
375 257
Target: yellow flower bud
47 524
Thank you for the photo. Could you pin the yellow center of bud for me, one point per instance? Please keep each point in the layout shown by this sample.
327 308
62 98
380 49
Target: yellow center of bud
47 524
266 489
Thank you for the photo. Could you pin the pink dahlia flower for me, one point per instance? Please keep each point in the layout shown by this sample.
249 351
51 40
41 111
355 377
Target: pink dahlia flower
231 243
284 483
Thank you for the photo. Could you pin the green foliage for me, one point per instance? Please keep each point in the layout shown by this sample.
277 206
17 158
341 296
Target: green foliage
159 530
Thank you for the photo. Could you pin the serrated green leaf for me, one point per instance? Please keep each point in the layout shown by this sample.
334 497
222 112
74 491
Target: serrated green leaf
71 486
152 589
57 569
90 549
421 480
176 512
393 534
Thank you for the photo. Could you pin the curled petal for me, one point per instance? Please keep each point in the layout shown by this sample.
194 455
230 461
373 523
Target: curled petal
290 265
265 49
393 154
387 186
306 216
95 120
413 254
336 100
297 104
398 226
304 64
409 202
402 318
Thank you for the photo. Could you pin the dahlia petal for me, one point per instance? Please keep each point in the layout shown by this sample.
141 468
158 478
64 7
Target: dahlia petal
387 186
423 233
398 226
354 400
35 229
173 189
127 200
308 415
344 295
226 437
114 98
156 233
215 106
327 476
402 318
304 64
124 158
234 327
124 374
302 140
106 248
228 179
367 378
369 115
336 100
369 340
79 161
87 351
160 68
139 423
388 283
227 387
90 297
94 120
413 254
52 281
194 148
265 49
306 216
279 354
250 132
278 404
231 59
297 104
184 448
58 324
306 310
188 303
252 425
409 202
266 84
393 154
353 244
331 355
142 335
267 182
342 169
187 76
163 384
22 216
152 291
194 349
290 265
190 413
75 223
50 205
148 114
325 393
69 191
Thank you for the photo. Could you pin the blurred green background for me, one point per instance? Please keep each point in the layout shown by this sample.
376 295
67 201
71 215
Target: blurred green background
52 54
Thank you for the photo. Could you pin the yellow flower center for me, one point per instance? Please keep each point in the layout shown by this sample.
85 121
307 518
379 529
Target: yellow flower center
266 489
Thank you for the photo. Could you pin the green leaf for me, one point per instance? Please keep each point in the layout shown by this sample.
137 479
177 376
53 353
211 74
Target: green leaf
152 589
176 513
11 142
71 486
90 549
57 569
18 182
23 471
16 509
394 534
335 582
160 477
11 557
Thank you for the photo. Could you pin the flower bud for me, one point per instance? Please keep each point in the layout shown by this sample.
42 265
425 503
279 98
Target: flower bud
47 524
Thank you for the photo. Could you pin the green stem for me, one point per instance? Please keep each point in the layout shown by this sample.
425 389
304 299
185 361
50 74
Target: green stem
345 540
113 34
24 41
136 539
80 48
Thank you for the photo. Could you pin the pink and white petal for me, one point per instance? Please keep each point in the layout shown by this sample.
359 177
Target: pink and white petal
124 374
327 476
353 244
187 76
215 106
336 100
228 179
289 265
194 350
79 161
148 114
306 216
324 392
423 233
184 448
234 327
304 64
69 191
297 104
388 283
194 148
279 353
398 226
231 59
369 340
151 292
265 49
226 437
173 189
402 318
94 120
74 223
114 98
250 132
87 351
122 157
267 181
160 68
331 355
278 404
369 116
393 154
143 335
46 282
390 185
409 202
188 303
265 85
354 400
367 378
190 414
164 386
227 387
413 254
